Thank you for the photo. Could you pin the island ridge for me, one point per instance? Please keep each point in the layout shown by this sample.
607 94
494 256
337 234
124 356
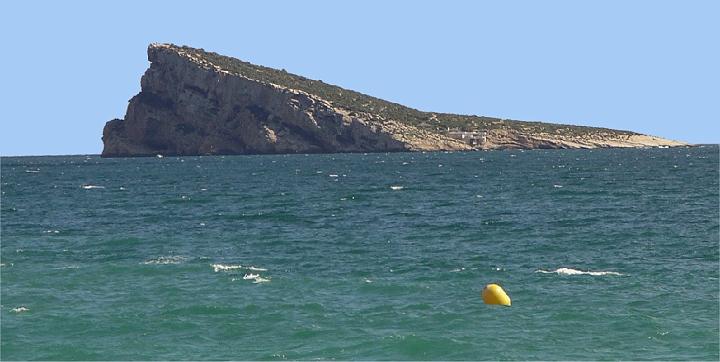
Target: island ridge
194 102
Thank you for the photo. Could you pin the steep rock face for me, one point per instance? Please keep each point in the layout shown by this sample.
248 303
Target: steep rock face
190 107
197 103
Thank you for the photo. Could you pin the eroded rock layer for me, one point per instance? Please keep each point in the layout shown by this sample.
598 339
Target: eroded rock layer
190 105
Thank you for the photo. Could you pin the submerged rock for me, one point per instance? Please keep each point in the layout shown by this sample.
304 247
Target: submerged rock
197 103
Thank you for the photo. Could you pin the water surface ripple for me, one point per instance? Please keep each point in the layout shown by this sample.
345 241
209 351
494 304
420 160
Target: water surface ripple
607 254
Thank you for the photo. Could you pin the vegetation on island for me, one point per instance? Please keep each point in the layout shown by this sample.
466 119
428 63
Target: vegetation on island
357 102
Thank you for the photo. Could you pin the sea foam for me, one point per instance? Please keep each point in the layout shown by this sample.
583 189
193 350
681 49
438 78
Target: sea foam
173 259
221 267
569 271
256 278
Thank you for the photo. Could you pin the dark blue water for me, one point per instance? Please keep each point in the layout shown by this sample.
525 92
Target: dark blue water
606 254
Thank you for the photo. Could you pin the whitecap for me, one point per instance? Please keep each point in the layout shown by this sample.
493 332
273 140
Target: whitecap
569 271
261 280
219 267
163 260
67 267
32 171
20 309
557 186
333 175
90 187
395 187
250 276
254 268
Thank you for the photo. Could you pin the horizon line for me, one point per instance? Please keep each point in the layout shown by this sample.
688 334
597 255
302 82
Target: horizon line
558 149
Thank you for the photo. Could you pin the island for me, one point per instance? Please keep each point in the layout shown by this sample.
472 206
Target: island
194 102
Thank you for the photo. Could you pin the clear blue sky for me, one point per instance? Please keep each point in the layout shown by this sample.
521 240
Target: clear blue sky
648 66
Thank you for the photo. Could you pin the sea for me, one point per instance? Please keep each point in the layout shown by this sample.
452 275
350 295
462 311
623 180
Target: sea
607 254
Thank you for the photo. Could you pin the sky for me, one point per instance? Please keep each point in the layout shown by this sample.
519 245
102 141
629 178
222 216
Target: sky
647 66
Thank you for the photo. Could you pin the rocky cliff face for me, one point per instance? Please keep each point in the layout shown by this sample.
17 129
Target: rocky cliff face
190 105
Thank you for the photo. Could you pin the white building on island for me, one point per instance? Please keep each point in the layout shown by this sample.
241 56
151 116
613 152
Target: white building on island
473 138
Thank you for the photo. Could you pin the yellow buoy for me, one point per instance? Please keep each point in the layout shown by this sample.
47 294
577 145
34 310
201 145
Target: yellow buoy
494 294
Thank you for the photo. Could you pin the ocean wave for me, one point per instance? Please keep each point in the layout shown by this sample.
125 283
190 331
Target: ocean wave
256 278
173 259
254 268
396 187
20 309
90 187
570 271
221 267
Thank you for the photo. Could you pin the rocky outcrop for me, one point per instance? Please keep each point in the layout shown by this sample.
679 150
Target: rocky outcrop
513 139
189 105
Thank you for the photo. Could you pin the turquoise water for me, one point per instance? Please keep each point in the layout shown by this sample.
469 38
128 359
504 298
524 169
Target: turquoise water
362 256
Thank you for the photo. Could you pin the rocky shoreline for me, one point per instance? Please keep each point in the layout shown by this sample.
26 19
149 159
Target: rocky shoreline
198 103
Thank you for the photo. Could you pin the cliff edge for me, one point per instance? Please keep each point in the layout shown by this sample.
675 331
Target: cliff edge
194 102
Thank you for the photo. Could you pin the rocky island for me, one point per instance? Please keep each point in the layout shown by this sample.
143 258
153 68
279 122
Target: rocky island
194 102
